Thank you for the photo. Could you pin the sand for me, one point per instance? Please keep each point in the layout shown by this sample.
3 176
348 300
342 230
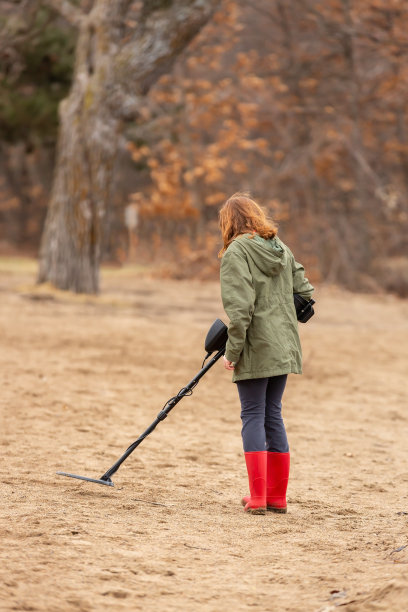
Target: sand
81 378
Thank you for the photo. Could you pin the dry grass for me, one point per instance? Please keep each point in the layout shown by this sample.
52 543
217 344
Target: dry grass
81 378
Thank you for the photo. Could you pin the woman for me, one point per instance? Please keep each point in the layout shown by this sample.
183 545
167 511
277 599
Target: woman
259 276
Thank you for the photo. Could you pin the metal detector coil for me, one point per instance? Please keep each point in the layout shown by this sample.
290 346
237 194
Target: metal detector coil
107 482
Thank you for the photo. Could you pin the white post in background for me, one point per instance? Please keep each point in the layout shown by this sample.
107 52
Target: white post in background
131 222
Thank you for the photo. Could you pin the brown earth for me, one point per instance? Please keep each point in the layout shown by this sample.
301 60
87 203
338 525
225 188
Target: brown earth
82 377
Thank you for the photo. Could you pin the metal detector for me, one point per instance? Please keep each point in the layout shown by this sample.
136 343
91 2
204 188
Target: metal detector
215 341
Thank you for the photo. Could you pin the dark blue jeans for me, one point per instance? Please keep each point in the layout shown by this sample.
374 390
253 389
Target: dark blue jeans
261 414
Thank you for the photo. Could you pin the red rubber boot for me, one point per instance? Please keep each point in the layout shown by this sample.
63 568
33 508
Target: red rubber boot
256 466
277 481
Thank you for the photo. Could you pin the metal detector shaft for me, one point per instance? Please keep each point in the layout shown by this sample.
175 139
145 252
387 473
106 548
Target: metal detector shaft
163 414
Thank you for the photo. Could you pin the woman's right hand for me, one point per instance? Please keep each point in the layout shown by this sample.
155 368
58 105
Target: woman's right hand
228 365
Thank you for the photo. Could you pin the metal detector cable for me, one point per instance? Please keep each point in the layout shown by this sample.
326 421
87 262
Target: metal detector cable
205 359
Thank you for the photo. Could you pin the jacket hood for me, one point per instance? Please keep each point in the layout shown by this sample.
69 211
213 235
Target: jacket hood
268 255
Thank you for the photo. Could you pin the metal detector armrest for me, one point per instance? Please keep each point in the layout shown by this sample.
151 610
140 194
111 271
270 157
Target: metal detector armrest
217 337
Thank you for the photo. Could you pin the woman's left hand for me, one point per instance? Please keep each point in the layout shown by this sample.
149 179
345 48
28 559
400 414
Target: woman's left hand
228 365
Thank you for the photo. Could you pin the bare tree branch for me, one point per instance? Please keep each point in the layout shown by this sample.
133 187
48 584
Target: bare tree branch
157 41
16 30
71 13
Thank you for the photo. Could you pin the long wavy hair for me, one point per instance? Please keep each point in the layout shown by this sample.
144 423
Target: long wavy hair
242 215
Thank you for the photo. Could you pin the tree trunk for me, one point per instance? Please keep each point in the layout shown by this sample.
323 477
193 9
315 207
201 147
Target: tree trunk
113 72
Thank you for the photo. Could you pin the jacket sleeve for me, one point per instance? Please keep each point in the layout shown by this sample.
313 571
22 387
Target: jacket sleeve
300 282
238 298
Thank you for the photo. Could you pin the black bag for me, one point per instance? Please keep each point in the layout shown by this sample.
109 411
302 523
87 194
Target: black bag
304 308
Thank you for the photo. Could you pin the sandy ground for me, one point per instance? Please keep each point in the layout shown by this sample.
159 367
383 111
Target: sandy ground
81 378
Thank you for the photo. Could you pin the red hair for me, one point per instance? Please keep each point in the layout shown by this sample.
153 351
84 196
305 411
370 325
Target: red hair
242 215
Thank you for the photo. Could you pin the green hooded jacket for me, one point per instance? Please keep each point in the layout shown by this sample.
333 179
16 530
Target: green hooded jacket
258 280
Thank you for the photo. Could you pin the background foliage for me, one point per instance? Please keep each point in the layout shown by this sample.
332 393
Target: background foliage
33 84
302 102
